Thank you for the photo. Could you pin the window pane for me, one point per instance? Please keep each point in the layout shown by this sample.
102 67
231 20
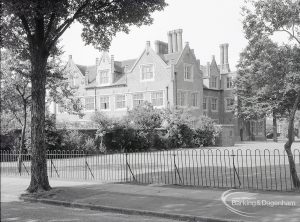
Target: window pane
120 101
104 102
147 72
138 99
89 103
157 98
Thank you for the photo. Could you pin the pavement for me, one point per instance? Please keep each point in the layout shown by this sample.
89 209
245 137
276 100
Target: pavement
173 202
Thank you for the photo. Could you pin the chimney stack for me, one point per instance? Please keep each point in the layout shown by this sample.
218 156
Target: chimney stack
70 57
179 39
97 61
170 45
147 45
156 45
224 64
221 55
226 53
174 41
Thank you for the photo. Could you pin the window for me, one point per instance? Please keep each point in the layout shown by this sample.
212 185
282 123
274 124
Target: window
157 98
89 103
104 102
214 104
104 78
229 102
147 72
138 99
188 72
195 99
181 98
120 101
229 82
213 82
204 103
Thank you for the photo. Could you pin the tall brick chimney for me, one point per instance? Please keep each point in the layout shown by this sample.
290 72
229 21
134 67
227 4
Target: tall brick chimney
179 39
224 64
174 41
170 45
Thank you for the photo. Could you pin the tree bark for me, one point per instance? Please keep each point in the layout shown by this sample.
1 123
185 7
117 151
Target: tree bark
288 144
274 127
22 144
39 178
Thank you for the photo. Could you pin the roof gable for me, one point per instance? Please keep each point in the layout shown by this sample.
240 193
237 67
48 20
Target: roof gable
150 52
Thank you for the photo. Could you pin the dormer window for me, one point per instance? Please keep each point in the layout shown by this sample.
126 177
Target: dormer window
188 72
104 77
147 72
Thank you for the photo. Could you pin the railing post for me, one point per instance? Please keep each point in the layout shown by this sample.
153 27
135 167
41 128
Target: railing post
51 167
126 163
234 170
85 166
174 155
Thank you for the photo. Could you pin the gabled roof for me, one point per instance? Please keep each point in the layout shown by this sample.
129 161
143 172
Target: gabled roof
82 69
155 56
170 58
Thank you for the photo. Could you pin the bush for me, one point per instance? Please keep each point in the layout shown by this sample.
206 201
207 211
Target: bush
72 140
126 139
138 131
144 117
206 132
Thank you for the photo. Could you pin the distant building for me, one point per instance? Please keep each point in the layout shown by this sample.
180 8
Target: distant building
168 76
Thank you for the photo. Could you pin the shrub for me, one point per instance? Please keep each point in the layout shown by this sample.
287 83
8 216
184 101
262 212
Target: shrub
178 127
144 117
206 132
72 140
126 139
89 145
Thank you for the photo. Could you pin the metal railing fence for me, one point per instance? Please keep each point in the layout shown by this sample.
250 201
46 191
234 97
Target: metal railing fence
222 168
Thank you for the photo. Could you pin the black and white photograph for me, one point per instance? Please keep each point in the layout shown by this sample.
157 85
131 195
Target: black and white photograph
150 110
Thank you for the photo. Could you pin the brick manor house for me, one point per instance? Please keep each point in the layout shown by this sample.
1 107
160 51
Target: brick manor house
168 76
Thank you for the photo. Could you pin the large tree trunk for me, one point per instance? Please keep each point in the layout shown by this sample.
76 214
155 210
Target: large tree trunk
274 127
288 144
39 178
22 144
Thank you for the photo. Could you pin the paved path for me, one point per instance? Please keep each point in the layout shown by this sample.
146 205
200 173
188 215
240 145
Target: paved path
12 209
168 201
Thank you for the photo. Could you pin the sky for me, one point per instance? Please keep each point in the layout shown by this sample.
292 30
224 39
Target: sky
206 24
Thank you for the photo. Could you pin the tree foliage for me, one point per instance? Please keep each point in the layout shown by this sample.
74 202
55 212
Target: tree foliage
269 74
33 28
145 117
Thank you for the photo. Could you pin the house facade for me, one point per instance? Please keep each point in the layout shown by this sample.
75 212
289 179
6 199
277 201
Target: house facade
168 75
219 99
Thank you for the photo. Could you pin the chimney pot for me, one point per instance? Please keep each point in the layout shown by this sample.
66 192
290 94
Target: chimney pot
148 44
70 57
